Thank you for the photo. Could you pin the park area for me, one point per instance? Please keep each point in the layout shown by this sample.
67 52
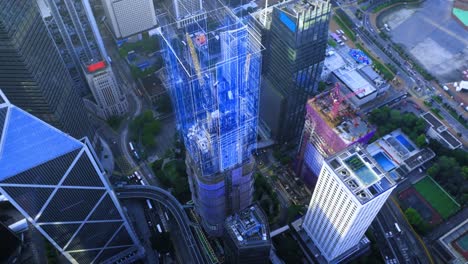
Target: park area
440 200
429 200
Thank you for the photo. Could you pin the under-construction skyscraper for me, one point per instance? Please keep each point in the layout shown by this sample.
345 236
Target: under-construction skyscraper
295 35
60 187
332 123
213 71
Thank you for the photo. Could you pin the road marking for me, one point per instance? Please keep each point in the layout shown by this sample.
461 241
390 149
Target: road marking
414 232
451 33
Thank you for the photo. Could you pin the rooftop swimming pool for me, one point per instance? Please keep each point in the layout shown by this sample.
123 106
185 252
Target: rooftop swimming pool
363 173
384 161
405 143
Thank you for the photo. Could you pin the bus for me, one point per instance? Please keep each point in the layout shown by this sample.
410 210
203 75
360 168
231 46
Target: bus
137 157
131 147
148 202
142 182
138 175
159 228
397 227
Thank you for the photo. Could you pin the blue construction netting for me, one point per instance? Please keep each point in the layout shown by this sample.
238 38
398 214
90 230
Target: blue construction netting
359 56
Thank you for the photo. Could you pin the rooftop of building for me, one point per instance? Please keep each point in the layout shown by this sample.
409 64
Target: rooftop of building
292 7
248 227
456 242
355 81
345 121
198 47
26 141
295 8
395 150
361 173
432 120
448 138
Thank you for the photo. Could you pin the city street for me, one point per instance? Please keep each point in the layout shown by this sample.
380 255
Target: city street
406 245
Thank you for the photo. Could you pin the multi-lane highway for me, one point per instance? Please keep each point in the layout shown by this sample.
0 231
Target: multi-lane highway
171 203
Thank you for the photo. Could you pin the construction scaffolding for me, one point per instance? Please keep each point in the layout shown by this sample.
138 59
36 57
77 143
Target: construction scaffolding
213 71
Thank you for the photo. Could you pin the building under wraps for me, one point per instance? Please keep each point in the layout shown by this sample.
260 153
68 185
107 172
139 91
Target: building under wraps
331 124
213 71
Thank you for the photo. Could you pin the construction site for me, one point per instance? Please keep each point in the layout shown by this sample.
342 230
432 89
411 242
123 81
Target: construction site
213 66
332 123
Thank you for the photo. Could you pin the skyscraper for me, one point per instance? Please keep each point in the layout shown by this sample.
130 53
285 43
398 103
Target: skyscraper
351 189
32 73
58 184
213 71
297 33
129 17
187 12
247 237
75 32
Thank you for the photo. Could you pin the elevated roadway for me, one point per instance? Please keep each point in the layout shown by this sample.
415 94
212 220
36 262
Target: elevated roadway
170 202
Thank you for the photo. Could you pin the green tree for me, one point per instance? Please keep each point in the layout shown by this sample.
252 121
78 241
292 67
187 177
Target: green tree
421 140
164 104
322 86
415 219
114 122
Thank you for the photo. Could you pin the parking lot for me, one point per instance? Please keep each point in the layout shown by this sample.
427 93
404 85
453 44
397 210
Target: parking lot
431 35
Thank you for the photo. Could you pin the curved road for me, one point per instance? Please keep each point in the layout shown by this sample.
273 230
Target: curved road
169 201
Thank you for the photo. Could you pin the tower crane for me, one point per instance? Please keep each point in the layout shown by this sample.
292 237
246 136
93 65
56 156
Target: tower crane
338 98
196 62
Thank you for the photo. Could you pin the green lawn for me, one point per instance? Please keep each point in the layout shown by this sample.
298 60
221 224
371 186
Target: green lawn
437 197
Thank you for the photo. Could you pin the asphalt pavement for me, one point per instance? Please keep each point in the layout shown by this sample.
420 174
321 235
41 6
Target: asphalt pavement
169 201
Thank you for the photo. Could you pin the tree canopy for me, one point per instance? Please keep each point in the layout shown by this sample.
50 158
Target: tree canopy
145 127
387 120
415 219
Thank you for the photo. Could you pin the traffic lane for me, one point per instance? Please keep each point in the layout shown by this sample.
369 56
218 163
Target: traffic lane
415 245
382 243
177 211
388 225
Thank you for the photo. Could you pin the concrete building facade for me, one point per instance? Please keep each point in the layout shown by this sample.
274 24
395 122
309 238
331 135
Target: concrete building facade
129 17
351 190
74 29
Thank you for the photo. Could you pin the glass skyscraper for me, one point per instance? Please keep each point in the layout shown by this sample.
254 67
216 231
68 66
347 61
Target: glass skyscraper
213 71
32 73
296 40
58 184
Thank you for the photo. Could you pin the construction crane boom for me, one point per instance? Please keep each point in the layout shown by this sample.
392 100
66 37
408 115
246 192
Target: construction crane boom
194 56
247 67
338 98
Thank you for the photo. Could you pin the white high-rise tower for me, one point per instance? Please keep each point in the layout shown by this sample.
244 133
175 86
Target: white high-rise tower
351 189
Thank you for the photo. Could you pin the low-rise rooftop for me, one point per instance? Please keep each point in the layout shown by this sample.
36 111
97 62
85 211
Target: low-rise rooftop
355 82
395 150
443 135
248 227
